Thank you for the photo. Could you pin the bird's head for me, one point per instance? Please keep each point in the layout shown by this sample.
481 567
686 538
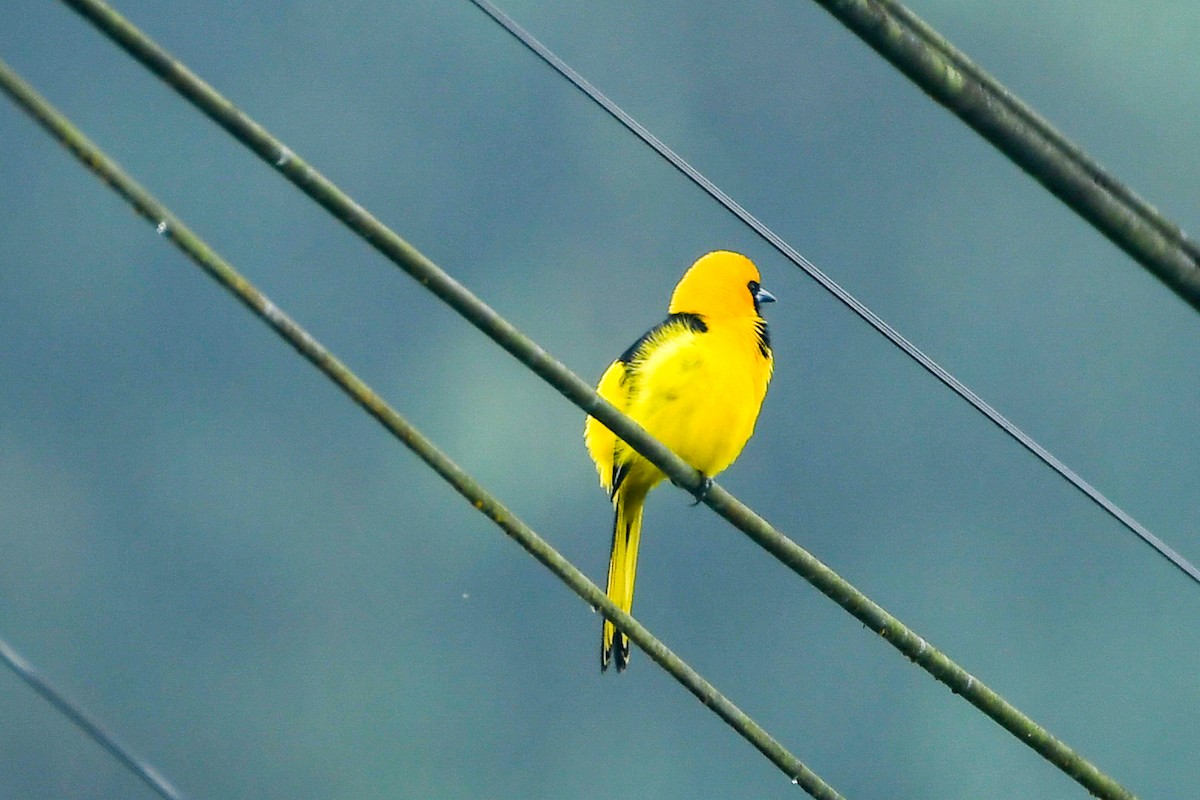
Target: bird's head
720 284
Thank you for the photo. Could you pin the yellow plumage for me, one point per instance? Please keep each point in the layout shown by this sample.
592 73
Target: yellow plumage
696 383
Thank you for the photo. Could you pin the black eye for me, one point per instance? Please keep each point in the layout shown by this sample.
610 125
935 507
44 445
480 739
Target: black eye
753 287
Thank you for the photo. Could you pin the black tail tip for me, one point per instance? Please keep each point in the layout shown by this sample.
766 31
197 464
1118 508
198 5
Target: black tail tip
619 648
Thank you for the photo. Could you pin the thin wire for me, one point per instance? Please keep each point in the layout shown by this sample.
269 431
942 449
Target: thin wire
853 303
108 741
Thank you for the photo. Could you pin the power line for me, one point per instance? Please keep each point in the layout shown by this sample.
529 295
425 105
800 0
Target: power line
952 79
172 228
581 393
82 720
834 288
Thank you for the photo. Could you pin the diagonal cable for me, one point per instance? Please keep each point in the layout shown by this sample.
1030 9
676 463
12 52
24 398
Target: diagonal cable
952 79
170 226
84 721
571 386
834 288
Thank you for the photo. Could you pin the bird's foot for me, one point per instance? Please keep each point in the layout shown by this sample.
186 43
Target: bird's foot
702 491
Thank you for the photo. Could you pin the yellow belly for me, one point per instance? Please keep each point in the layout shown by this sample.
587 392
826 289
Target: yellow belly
701 398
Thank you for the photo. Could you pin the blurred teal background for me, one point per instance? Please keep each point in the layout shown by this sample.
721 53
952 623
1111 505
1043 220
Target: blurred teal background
215 552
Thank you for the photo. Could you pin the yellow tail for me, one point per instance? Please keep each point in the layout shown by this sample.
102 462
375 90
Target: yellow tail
622 569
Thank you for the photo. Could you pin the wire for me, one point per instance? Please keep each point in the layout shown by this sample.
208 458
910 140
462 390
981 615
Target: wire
172 228
1026 138
108 741
570 385
855 305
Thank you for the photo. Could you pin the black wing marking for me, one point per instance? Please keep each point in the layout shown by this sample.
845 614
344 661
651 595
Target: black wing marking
630 358
619 471
692 322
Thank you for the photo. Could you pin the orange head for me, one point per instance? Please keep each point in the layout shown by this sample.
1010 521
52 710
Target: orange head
720 284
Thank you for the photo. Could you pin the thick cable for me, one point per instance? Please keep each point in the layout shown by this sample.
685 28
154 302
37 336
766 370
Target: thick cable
952 79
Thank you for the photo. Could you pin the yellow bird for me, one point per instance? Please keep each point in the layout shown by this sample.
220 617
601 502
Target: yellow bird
695 382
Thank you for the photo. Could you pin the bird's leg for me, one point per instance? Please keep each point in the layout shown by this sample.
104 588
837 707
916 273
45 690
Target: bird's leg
702 491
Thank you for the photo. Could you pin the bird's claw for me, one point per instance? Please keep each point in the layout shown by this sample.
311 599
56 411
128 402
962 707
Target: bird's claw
702 491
